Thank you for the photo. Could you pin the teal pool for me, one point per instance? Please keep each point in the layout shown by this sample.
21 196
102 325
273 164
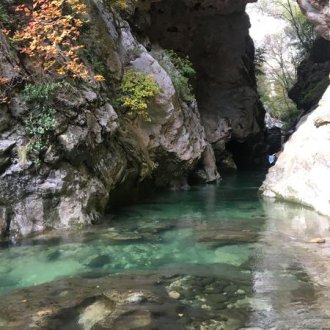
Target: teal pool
225 227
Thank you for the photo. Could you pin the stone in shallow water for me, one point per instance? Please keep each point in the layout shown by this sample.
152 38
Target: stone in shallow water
133 320
226 237
53 255
122 236
130 301
93 314
174 294
318 240
99 261
231 289
156 227
240 291
235 255
2 323
136 298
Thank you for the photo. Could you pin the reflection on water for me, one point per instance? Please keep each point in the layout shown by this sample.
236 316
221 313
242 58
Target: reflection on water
241 261
291 275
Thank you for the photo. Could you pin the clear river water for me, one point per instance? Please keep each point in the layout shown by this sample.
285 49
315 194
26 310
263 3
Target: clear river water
228 258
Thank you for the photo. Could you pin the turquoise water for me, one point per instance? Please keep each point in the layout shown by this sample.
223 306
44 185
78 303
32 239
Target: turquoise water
225 228
159 231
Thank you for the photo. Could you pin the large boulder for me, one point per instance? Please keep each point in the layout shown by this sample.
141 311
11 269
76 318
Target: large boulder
302 171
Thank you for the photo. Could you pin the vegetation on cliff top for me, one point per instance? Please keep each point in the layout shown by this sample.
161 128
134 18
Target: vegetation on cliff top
283 52
50 36
48 33
181 71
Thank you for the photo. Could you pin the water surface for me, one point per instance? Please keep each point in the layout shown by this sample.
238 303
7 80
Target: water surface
270 275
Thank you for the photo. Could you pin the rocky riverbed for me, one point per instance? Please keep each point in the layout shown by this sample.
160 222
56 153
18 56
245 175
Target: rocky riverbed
225 261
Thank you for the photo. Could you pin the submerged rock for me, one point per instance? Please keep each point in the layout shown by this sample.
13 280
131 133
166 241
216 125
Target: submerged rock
118 302
136 298
174 294
318 240
225 237
99 261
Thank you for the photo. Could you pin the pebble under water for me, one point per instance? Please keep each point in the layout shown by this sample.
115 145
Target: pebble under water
226 258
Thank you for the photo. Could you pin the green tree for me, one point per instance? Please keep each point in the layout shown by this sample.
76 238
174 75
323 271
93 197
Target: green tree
283 52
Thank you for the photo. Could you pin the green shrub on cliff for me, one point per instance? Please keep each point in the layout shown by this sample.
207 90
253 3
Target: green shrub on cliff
315 91
136 91
182 73
3 14
39 123
182 64
119 4
40 93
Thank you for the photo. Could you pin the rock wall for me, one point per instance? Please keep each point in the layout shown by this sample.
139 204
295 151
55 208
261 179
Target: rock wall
215 36
302 171
95 150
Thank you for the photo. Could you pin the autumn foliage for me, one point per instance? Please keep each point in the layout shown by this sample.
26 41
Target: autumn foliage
50 36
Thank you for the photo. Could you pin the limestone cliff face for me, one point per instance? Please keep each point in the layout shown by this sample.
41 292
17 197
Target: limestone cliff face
95 149
302 171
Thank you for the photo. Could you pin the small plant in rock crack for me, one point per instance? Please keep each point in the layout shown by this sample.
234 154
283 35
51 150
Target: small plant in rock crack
42 119
182 64
38 126
41 93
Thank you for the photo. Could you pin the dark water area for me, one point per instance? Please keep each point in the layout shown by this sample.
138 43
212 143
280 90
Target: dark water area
230 259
